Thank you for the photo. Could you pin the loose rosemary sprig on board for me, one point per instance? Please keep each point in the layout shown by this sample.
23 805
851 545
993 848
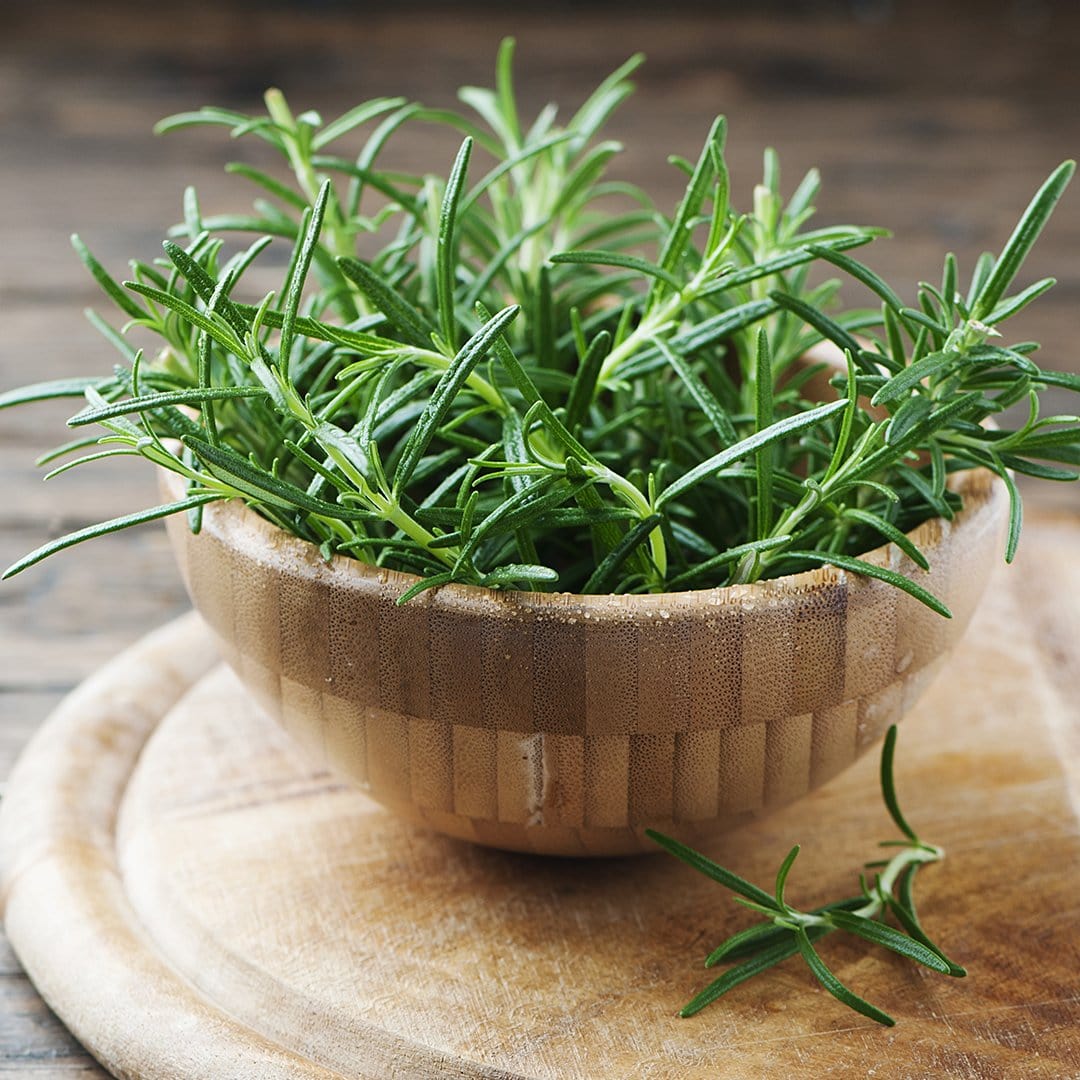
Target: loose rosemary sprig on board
787 931
484 379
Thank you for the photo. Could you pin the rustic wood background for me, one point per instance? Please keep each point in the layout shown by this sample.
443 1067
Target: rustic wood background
935 120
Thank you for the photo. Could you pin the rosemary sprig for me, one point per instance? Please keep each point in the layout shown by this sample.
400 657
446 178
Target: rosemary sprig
526 375
788 930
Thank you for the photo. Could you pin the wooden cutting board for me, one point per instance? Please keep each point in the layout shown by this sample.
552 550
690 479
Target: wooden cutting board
195 902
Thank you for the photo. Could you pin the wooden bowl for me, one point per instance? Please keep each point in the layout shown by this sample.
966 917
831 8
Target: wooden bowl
567 724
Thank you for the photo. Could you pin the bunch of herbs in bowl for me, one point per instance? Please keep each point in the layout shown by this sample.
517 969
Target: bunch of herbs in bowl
531 507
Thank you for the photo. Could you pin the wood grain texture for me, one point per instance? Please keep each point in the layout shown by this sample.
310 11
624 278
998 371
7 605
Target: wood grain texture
171 862
935 120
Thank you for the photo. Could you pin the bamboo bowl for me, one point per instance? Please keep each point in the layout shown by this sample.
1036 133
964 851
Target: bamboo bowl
565 724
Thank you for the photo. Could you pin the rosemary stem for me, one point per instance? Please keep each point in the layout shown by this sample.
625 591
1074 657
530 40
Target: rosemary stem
655 322
390 509
477 383
278 110
916 853
649 327
393 513
643 508
387 507
751 569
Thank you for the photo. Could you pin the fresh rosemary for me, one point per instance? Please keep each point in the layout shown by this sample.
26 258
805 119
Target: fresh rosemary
787 930
504 391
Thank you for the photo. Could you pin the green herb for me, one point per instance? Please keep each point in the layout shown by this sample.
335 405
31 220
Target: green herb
788 930
528 376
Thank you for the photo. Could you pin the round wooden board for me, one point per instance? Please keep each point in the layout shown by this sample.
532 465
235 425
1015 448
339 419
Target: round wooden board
194 901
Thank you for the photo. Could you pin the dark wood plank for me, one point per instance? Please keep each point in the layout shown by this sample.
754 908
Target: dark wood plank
35 1043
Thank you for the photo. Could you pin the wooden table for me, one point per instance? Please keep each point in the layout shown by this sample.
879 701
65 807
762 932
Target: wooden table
937 125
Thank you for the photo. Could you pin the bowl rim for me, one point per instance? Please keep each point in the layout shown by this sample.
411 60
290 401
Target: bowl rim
239 526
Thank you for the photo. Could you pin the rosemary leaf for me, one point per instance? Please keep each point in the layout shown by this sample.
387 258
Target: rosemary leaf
834 985
104 527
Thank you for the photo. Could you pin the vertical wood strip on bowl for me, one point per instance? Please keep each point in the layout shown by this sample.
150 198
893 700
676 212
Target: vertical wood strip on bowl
353 649
870 638
663 657
741 768
431 764
476 791
820 650
346 737
506 670
387 744
697 780
611 677
563 780
652 777
519 767
456 651
768 644
558 683
404 642
255 615
716 667
787 758
303 717
833 741
607 780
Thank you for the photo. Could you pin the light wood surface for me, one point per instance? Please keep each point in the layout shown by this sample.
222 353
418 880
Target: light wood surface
194 900
568 725
934 120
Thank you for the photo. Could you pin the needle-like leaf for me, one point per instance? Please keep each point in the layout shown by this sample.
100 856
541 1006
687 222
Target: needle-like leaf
300 265
731 978
834 985
447 389
872 570
445 241
780 429
166 398
101 529
885 936
888 785
713 870
1022 240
